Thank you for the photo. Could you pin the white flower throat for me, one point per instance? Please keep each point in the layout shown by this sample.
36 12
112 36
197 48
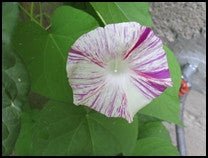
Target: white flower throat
117 66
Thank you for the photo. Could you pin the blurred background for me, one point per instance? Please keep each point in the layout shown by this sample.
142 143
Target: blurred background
179 24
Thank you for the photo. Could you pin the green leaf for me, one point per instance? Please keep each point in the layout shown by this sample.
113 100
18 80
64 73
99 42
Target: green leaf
15 85
153 139
15 69
15 88
23 144
86 7
9 18
45 52
151 127
116 12
10 128
166 106
62 129
153 146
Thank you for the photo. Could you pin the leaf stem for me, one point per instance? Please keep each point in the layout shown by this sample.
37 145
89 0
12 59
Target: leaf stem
48 27
41 13
31 10
28 14
101 18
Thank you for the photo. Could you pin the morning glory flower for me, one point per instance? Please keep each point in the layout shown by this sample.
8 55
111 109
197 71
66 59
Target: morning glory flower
118 69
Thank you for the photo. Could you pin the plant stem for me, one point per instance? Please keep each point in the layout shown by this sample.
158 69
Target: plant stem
103 21
48 27
28 14
31 10
41 13
46 15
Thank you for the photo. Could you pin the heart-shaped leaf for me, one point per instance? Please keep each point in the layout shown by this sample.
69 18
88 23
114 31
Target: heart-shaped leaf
63 129
45 52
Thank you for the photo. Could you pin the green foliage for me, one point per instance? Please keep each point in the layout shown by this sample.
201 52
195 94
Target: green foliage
63 129
15 83
23 143
9 17
154 146
15 71
153 139
45 52
86 7
115 12
15 88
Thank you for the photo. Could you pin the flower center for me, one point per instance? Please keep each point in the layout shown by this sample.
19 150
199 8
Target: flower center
117 66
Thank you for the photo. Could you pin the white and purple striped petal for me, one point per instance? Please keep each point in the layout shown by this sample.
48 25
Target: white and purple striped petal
118 69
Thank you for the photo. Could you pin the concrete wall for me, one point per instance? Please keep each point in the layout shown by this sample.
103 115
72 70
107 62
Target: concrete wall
173 20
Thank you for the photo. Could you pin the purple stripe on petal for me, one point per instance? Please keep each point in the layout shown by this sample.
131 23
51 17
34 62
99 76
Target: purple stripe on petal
158 74
152 45
148 49
95 100
141 39
111 105
158 58
149 90
90 93
84 94
145 93
159 87
88 57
